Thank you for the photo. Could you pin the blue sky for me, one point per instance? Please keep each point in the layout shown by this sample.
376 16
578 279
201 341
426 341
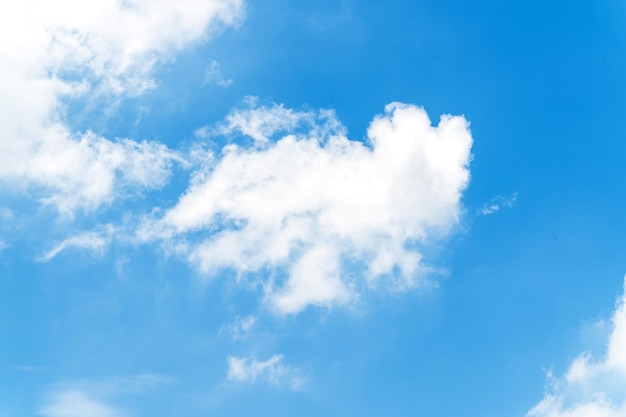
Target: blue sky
272 208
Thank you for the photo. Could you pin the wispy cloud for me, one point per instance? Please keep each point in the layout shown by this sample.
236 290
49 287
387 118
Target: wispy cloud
93 241
213 74
498 203
273 370
240 328
265 122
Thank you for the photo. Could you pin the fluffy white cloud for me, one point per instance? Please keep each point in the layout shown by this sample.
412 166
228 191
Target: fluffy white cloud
592 388
249 370
313 204
69 49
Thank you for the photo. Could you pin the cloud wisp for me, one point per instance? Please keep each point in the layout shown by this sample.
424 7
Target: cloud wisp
213 74
93 241
249 370
498 203
241 328
307 204
592 387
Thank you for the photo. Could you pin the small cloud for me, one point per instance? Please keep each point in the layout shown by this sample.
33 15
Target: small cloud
263 122
249 370
120 265
92 241
202 132
497 203
213 75
241 327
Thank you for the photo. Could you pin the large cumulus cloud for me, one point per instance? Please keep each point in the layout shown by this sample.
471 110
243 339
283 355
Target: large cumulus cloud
312 206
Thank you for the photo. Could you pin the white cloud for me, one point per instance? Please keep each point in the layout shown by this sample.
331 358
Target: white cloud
91 170
497 203
75 403
94 241
249 370
51 52
313 204
592 388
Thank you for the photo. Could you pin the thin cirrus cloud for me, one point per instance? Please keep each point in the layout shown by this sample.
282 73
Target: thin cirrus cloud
213 74
72 50
241 328
592 387
93 241
311 205
498 203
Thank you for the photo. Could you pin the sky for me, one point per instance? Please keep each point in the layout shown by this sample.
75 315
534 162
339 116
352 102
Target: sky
339 208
